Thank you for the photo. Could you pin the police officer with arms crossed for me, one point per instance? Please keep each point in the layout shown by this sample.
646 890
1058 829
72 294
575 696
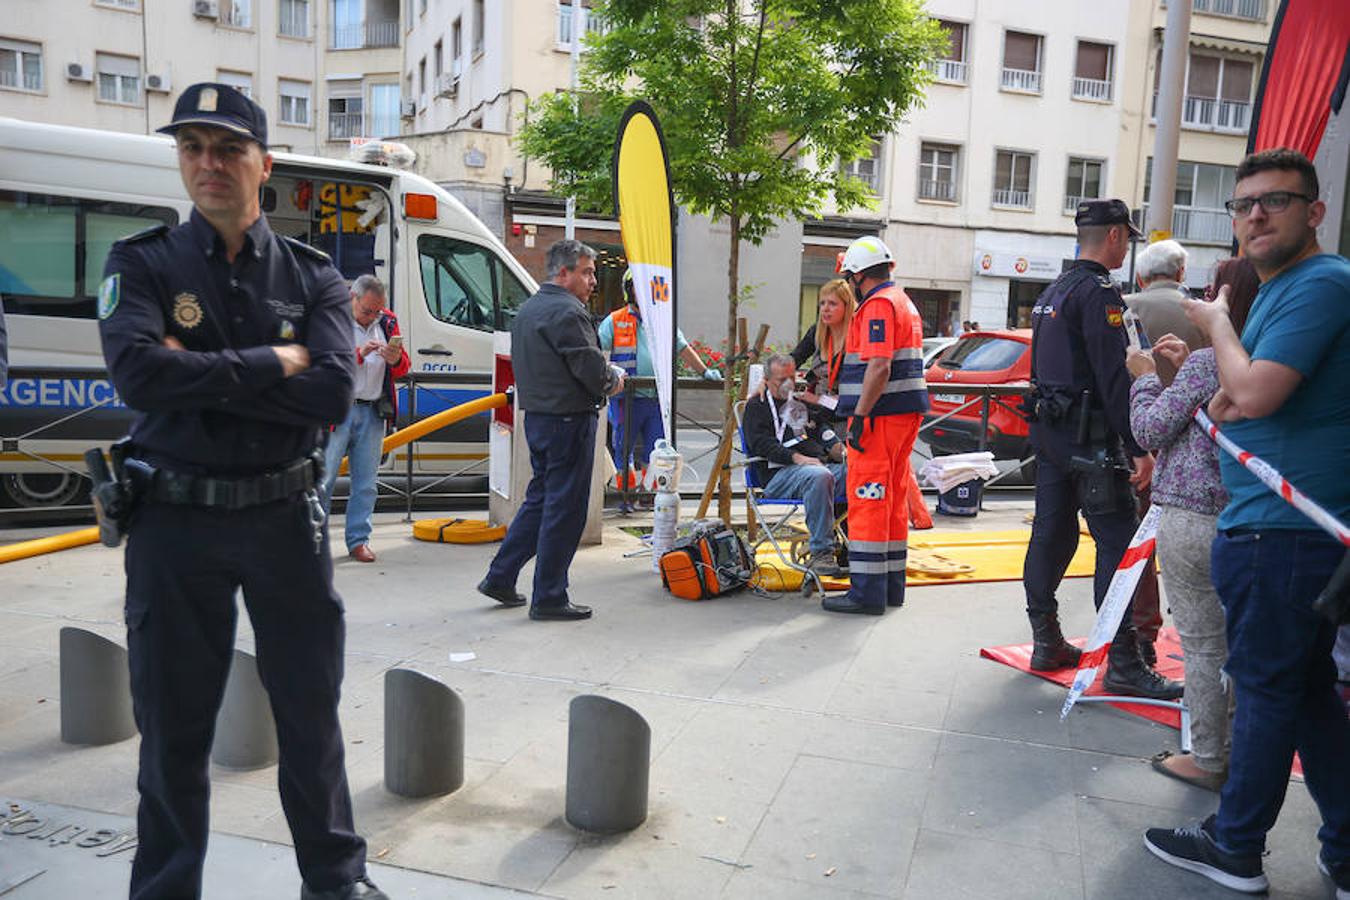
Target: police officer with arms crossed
231 389
1081 404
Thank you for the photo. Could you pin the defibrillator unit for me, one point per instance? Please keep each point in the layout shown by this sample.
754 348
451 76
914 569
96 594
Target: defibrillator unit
710 561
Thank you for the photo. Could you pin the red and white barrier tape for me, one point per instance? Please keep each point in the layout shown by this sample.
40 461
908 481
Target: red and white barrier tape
1272 479
1123 583
1114 605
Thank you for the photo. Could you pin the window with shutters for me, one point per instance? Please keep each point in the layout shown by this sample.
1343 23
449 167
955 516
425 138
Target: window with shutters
20 65
119 79
1012 179
951 67
1083 182
295 102
1218 92
240 81
1198 214
1021 62
1092 78
937 172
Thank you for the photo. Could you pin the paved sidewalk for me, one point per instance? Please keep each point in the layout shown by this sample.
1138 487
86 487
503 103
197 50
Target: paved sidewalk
796 754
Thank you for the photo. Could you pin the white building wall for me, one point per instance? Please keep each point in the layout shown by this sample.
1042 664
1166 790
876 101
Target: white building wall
172 43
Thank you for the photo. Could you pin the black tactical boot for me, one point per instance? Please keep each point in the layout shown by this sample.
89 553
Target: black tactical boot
1050 651
1127 673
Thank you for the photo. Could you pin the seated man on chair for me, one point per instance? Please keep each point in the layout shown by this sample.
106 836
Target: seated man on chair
800 459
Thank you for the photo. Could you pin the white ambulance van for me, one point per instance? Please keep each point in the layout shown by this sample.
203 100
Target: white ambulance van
66 194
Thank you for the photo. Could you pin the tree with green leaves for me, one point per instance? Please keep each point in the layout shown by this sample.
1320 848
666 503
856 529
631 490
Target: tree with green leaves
761 101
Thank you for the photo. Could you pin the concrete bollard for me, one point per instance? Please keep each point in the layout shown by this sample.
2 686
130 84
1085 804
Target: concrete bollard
246 735
423 735
95 689
609 749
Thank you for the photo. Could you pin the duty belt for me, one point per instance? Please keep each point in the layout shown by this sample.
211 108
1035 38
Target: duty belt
232 493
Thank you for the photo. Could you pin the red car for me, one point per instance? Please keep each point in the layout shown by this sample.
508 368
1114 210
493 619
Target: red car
1001 357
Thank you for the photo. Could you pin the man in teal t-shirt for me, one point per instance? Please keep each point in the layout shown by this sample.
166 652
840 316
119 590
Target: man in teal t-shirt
1285 397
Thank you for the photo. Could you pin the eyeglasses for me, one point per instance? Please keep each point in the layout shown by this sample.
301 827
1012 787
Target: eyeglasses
1271 202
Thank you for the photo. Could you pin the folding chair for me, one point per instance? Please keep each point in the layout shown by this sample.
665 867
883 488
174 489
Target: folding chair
754 492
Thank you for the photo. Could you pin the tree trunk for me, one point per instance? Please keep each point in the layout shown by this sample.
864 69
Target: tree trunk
731 391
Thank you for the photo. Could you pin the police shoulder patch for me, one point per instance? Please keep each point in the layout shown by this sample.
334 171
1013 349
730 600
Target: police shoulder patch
1115 316
308 250
146 234
109 292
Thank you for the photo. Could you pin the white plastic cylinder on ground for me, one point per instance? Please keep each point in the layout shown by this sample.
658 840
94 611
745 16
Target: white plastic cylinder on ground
665 522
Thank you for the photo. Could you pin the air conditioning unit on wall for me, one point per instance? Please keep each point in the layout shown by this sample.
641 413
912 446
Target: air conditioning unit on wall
78 72
205 9
158 83
447 85
407 108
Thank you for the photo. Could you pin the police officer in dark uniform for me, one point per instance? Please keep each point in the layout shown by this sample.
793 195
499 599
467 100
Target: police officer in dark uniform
232 345
1080 401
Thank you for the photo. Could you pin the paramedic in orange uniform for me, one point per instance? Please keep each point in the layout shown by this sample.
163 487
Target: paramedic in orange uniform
882 390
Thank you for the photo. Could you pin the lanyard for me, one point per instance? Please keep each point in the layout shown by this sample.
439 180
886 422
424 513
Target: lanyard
778 426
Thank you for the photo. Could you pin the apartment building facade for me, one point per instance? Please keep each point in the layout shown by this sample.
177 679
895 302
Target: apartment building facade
1036 105
325 71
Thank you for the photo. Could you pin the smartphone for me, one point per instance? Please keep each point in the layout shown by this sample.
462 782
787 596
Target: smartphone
396 342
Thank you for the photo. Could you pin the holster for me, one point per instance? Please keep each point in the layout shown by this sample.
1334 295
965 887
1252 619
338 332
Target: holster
1102 484
113 491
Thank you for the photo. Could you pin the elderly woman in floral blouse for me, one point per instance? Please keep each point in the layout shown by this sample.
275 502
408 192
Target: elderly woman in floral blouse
1187 488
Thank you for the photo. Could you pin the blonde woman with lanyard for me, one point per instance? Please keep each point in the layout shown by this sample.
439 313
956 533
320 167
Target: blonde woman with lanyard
823 346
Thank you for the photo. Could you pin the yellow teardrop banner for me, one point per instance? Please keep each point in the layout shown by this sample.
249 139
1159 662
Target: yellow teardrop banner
646 221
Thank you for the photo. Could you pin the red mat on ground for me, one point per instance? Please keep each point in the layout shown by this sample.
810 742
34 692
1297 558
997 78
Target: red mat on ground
1169 664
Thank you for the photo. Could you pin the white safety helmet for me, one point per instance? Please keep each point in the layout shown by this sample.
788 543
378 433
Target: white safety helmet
863 254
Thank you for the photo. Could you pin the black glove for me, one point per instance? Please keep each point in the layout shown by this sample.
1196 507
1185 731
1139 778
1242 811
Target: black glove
855 432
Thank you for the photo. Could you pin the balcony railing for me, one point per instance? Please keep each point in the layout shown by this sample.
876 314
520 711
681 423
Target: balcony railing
937 190
952 70
1198 224
1233 116
1071 202
1019 199
1209 112
1092 89
1021 80
364 35
31 81
345 125
1239 9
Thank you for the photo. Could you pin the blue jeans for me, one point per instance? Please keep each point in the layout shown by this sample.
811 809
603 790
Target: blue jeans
550 521
816 487
358 438
1279 658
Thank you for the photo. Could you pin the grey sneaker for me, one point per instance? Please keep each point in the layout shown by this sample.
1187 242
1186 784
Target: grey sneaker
1192 848
823 563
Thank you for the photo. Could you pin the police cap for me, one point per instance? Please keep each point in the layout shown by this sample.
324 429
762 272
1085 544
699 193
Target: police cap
1105 212
221 106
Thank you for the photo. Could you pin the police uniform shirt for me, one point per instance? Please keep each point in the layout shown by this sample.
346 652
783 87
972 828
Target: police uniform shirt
1079 340
223 406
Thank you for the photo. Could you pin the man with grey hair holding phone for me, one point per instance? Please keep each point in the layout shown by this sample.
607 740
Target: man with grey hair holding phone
380 358
1160 270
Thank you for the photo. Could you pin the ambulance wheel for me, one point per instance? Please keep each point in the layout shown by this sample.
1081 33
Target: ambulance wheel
42 489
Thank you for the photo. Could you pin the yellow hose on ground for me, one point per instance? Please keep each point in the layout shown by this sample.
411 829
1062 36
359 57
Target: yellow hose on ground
39 546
